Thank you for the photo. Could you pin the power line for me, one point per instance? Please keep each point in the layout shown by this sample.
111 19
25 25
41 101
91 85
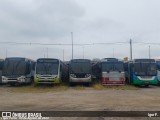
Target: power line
58 44
79 44
110 43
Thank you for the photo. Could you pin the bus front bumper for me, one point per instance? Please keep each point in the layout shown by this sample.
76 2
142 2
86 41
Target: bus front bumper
20 79
80 80
145 82
47 81
113 82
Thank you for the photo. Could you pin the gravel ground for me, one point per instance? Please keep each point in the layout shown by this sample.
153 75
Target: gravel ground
143 99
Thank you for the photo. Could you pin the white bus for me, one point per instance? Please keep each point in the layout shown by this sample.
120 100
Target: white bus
80 71
50 71
17 70
110 71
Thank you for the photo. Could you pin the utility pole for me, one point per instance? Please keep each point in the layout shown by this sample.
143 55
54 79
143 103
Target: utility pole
47 52
83 52
131 49
72 43
113 52
6 53
149 53
63 54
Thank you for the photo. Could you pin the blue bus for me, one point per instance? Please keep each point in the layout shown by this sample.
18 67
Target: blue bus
158 70
142 72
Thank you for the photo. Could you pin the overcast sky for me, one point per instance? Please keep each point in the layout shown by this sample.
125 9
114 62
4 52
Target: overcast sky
91 21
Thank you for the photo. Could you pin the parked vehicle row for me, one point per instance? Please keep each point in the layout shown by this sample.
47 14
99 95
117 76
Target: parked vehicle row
108 71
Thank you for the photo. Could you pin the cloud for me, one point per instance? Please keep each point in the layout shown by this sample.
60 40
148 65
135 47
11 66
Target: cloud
38 19
91 21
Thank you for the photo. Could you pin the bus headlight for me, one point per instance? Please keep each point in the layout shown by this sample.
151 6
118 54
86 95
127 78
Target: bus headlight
73 75
87 75
38 76
4 79
22 79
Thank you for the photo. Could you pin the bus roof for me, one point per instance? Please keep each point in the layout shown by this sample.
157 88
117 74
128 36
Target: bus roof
111 60
47 60
80 60
18 58
144 60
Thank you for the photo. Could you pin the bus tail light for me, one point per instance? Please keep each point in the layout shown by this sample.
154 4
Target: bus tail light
105 79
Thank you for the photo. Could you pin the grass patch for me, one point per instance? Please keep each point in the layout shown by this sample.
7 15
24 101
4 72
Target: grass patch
39 88
56 88
98 86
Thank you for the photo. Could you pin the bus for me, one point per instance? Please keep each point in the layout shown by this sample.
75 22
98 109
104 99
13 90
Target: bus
158 70
1 66
50 71
18 70
80 71
142 72
110 71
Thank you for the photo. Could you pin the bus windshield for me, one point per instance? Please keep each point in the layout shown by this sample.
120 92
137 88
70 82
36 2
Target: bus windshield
119 66
112 66
158 65
47 68
14 68
80 67
107 66
143 69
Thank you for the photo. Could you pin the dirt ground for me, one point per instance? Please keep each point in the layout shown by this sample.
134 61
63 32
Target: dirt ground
141 99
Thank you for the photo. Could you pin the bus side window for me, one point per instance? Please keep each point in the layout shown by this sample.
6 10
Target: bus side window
1 65
60 68
33 65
